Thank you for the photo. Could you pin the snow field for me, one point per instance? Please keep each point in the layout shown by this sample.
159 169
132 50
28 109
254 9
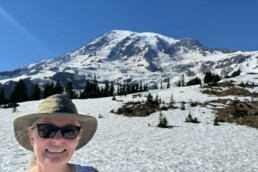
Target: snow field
126 144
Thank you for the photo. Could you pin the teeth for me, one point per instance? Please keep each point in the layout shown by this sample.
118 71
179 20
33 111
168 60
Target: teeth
55 150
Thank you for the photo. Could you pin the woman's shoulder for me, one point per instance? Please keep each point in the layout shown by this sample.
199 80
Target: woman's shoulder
80 168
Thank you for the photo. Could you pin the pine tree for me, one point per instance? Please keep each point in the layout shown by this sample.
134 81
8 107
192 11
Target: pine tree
161 86
91 89
183 80
211 78
112 89
194 81
236 73
157 100
69 89
58 88
145 88
106 89
208 78
183 106
168 84
95 88
140 88
163 123
2 97
149 98
19 93
47 90
172 101
36 93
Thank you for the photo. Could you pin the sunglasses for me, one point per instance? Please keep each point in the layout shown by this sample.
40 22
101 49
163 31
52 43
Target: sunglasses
48 131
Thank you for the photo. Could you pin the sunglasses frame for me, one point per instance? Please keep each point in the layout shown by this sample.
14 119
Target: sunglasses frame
51 131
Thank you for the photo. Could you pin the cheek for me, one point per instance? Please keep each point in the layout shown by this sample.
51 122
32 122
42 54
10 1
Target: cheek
40 144
73 144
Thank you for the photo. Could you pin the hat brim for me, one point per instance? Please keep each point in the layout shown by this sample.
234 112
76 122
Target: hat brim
22 124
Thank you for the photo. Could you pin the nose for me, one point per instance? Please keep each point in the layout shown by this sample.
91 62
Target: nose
58 137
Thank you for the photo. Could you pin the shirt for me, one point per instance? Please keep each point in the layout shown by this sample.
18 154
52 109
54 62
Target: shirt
80 168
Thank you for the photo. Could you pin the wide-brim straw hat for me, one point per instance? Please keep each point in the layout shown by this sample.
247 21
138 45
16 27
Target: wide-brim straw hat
59 107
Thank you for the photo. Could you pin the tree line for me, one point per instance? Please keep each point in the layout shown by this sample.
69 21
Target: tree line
92 89
209 78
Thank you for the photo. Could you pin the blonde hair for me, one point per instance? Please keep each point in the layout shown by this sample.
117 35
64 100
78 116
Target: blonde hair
33 161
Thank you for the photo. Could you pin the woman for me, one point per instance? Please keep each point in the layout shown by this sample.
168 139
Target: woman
53 133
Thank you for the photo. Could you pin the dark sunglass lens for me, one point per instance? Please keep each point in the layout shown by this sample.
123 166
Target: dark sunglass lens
47 130
70 132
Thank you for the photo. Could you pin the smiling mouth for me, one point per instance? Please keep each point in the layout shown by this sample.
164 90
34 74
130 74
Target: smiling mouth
55 151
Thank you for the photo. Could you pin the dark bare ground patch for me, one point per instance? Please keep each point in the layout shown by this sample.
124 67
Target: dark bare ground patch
235 111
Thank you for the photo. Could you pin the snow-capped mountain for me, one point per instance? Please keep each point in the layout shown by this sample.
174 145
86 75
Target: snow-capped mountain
125 55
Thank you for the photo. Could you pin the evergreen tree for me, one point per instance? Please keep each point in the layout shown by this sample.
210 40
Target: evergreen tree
208 78
149 98
46 90
112 89
19 93
2 97
215 79
179 84
168 83
145 88
236 73
182 105
172 101
85 93
69 89
161 86
140 87
95 88
106 89
211 78
49 90
195 81
157 100
163 123
58 88
183 80
118 89
91 89
36 93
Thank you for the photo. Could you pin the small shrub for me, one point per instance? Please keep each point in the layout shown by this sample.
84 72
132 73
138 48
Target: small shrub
236 73
189 118
193 104
183 106
195 81
164 108
242 84
216 122
163 123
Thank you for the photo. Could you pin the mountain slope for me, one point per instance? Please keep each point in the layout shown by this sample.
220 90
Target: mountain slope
125 55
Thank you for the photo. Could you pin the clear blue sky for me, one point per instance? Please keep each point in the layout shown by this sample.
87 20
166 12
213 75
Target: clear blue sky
33 30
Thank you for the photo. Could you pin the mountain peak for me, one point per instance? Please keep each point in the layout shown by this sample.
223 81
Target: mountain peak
146 35
125 55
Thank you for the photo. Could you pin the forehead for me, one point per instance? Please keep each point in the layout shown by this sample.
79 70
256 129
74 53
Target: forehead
57 121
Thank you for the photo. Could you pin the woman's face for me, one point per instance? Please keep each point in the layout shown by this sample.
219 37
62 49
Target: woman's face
56 150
